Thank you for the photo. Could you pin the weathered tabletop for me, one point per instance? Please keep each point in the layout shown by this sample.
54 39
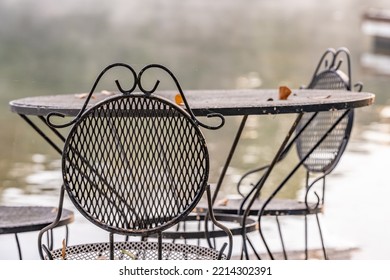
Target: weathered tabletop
204 102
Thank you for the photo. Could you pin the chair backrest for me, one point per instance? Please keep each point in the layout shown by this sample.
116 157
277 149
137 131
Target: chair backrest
325 157
135 163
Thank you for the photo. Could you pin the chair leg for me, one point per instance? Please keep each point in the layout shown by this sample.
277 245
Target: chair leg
306 240
18 245
253 249
281 237
321 237
66 234
50 239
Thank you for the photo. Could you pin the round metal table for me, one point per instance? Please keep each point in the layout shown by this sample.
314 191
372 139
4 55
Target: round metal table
239 102
204 102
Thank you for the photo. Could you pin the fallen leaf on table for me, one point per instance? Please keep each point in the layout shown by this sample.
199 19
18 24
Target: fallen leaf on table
284 92
82 95
179 99
320 97
198 210
106 92
222 202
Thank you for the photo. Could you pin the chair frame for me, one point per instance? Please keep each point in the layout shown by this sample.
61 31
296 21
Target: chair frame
250 205
324 67
139 220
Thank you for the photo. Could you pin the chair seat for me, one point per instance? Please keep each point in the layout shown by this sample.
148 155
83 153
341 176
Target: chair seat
275 207
17 219
142 250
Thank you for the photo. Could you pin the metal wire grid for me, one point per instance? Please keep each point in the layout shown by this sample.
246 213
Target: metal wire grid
135 164
327 153
135 251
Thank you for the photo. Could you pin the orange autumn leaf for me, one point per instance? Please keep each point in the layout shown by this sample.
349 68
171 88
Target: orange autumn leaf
179 99
83 95
63 250
284 92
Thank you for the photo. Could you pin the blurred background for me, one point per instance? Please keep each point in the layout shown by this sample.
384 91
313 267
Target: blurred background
47 47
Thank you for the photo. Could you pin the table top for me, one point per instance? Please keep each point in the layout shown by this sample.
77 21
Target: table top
204 102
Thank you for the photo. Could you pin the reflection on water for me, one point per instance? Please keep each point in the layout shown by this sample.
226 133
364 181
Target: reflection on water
49 48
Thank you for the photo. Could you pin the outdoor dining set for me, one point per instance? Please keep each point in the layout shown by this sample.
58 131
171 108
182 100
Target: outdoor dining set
136 164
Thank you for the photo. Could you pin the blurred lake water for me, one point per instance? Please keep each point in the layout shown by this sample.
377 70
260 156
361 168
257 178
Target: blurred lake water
55 48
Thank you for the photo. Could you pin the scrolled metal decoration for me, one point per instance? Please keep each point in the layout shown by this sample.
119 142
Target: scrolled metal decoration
314 204
181 92
104 71
332 60
137 81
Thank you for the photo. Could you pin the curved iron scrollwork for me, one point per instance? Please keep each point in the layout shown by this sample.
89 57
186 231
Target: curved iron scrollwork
137 81
188 108
332 60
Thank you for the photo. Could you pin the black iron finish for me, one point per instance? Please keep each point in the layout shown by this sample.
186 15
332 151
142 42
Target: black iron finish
43 134
322 141
137 81
204 103
136 164
20 219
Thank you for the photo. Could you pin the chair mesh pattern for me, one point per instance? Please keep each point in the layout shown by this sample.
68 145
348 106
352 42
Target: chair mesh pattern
326 155
135 164
136 251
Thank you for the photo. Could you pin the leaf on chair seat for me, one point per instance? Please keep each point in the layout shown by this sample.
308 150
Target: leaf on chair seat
129 254
63 250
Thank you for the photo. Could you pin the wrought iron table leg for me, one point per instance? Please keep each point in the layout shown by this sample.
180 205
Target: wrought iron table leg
262 181
229 158
18 245
276 191
43 135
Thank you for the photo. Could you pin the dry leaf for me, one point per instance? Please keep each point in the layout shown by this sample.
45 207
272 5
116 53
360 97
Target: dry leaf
129 254
63 250
198 210
320 97
222 202
179 99
83 95
284 92
106 92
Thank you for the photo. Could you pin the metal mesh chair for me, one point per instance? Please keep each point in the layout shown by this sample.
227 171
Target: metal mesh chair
136 165
20 219
320 140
